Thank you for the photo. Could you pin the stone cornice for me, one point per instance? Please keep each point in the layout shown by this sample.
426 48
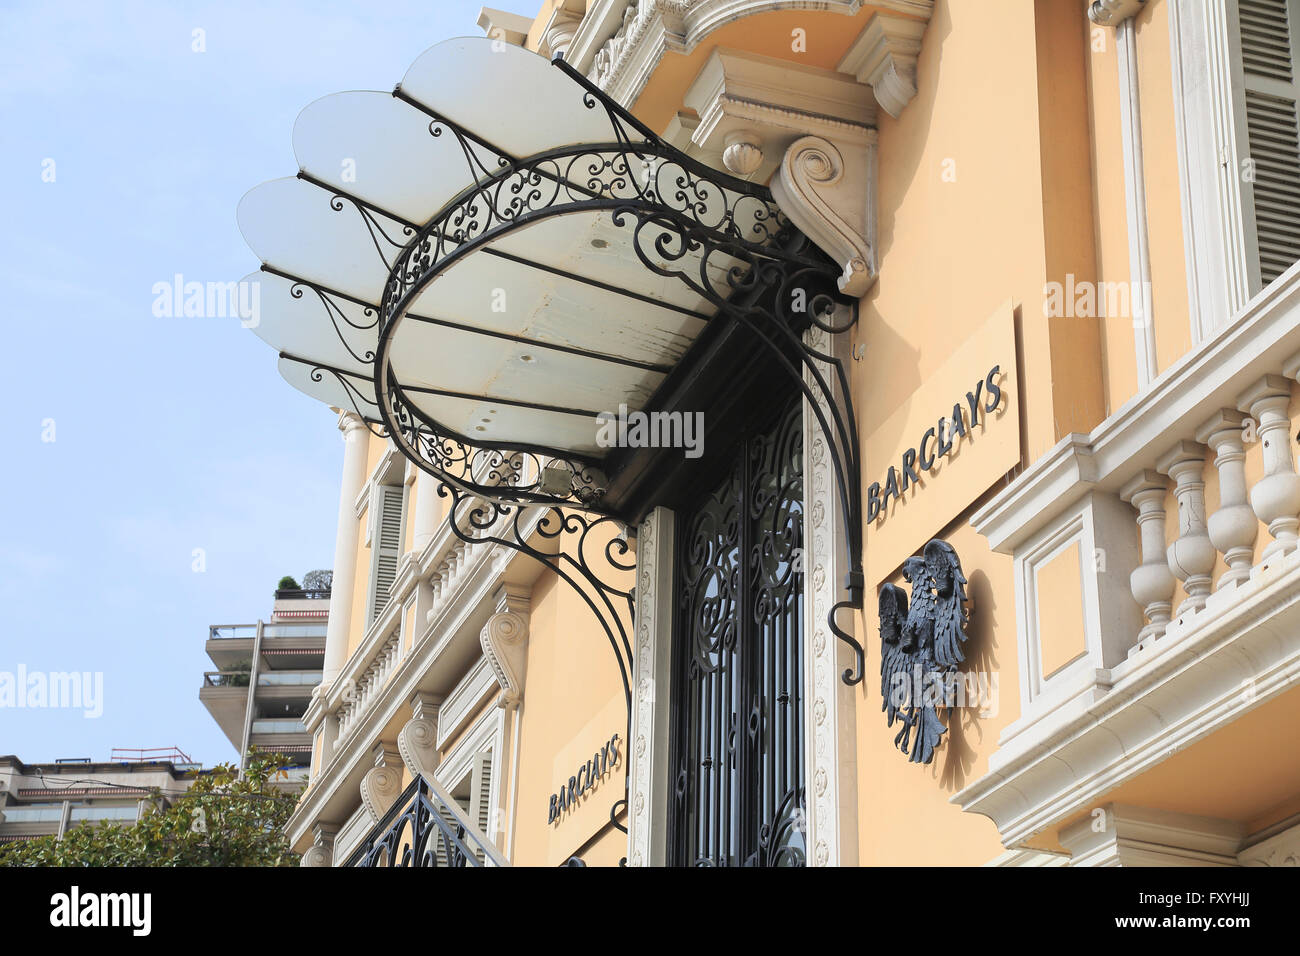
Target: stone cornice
619 44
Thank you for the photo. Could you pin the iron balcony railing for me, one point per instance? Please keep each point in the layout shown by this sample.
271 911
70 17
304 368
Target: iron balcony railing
426 827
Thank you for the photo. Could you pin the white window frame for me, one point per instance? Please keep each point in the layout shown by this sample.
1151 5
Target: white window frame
483 742
1219 232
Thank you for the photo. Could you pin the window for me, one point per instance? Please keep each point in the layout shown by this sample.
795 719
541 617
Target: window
1235 95
473 793
386 537
1267 33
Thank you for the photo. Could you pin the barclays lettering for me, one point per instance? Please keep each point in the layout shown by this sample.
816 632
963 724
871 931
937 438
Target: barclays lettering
588 776
937 442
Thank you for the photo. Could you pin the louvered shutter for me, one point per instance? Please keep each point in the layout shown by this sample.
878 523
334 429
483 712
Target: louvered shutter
387 544
1268 32
443 846
482 797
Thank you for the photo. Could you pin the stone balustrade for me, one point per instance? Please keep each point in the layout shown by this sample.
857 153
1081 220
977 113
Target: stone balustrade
1231 529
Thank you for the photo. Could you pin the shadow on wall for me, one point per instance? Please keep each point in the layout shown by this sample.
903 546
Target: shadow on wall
982 664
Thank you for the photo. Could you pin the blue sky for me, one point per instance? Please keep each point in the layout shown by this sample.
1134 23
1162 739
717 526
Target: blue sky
170 434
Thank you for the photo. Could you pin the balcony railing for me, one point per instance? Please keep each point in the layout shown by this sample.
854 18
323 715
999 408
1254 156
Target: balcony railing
426 827
301 594
225 678
279 725
294 630
288 678
227 632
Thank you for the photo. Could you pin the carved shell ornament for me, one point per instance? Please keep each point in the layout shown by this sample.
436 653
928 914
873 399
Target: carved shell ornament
921 640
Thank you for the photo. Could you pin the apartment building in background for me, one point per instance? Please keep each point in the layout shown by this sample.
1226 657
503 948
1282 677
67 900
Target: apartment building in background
787 433
40 799
265 675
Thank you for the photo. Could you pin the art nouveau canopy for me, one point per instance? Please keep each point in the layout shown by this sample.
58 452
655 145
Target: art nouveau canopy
486 258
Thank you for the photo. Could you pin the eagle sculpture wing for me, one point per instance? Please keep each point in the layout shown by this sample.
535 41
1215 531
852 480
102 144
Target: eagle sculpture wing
895 663
907 672
950 614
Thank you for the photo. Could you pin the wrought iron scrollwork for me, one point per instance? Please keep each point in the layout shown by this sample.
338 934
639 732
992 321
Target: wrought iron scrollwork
921 646
421 830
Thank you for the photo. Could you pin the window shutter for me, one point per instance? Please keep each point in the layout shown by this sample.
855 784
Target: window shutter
452 825
387 543
482 783
1271 94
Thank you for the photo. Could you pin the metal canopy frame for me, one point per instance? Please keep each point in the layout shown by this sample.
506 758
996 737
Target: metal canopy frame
685 217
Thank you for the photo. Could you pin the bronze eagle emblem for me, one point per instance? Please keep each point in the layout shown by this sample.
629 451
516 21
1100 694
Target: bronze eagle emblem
920 646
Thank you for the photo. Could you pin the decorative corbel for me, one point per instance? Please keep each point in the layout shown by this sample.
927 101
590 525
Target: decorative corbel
417 741
321 851
560 29
382 784
884 57
828 191
505 643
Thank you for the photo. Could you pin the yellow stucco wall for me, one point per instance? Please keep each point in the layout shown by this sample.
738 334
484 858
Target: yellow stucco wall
574 702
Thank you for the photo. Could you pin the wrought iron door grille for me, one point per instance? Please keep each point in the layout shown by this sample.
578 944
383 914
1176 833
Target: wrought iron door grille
738 660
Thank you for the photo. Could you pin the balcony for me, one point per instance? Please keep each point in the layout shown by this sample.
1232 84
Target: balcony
300 646
278 725
302 594
1157 574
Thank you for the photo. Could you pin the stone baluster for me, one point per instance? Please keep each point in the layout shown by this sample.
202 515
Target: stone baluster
1233 526
1276 496
1152 581
1191 556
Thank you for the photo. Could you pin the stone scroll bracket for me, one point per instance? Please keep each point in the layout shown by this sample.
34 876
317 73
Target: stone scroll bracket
505 643
382 784
884 57
810 131
828 191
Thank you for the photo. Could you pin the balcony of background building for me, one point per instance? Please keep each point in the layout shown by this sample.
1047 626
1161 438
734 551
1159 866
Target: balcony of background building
265 673
48 798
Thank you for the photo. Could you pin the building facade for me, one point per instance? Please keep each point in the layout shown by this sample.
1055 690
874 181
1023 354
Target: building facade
40 799
266 674
985 548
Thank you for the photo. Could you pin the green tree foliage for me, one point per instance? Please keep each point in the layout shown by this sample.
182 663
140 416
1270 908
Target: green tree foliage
222 820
